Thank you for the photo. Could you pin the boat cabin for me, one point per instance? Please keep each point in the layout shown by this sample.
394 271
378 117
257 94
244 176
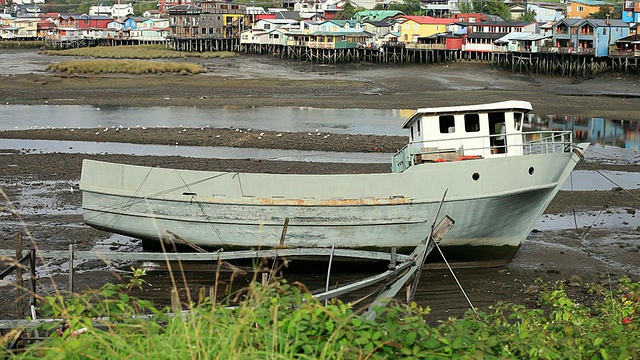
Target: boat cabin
464 132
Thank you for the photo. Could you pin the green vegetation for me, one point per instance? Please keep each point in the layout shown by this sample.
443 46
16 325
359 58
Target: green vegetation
408 7
136 52
280 321
348 11
13 44
137 67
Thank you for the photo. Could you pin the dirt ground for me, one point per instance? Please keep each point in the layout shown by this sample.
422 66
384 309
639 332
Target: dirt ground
40 194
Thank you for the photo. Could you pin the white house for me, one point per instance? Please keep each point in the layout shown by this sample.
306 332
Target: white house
116 11
547 11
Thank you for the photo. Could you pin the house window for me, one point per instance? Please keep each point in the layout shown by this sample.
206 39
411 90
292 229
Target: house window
447 124
580 8
471 122
267 26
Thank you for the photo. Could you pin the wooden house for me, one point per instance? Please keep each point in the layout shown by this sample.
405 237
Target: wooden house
376 15
581 9
377 28
517 10
46 28
88 21
27 28
546 12
469 17
587 36
413 27
631 11
521 42
183 21
627 46
66 20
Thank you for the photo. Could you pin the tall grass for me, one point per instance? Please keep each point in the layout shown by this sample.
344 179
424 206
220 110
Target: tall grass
136 52
125 67
17 44
279 321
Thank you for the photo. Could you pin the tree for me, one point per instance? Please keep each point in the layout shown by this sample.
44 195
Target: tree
408 7
465 7
497 8
347 12
607 12
529 16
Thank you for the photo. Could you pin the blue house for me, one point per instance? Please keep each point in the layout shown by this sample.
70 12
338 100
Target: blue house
631 11
133 22
587 36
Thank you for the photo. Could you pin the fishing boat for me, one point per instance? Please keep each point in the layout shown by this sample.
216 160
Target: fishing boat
494 179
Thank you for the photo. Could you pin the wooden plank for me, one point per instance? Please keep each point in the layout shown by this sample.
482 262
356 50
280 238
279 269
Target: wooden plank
213 256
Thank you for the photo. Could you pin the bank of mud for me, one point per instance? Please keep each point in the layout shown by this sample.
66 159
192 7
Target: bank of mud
44 195
43 200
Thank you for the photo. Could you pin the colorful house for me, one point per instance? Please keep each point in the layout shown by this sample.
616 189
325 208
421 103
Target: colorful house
27 27
413 27
87 21
581 9
376 15
547 11
631 11
340 26
587 36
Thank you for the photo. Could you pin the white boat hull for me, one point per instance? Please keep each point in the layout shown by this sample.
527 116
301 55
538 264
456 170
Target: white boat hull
493 214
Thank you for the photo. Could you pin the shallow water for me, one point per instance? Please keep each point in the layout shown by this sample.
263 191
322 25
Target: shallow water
85 147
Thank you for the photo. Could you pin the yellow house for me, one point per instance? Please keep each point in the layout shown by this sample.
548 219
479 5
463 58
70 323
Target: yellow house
414 27
233 24
28 27
581 9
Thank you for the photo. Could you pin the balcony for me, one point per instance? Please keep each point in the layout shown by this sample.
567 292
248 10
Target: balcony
426 46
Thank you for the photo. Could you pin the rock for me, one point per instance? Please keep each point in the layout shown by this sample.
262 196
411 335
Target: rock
575 281
532 289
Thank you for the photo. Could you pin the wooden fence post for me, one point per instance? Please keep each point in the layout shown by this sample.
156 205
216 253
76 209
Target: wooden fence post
19 279
70 268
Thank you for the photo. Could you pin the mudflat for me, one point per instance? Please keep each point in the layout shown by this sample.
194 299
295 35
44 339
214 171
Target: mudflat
249 80
40 195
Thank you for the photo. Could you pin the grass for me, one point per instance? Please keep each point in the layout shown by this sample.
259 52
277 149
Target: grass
281 321
136 52
16 44
137 67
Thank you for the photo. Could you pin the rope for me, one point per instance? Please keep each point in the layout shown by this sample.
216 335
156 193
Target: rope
456 279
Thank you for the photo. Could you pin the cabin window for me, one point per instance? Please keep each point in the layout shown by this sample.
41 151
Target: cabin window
471 122
517 121
447 124
411 133
497 131
418 127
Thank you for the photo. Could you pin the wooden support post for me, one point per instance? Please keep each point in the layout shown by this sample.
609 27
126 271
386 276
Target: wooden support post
70 268
175 301
19 280
394 258
32 268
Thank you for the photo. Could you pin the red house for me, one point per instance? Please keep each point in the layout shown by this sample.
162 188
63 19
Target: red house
98 22
469 17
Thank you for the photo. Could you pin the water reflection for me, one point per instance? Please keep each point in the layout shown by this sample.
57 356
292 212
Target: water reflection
618 133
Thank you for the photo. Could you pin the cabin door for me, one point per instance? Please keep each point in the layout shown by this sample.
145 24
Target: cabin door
497 132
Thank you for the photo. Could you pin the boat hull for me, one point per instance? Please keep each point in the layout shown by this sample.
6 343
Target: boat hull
494 211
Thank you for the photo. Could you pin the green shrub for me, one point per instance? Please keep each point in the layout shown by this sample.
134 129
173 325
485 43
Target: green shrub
280 321
125 66
136 52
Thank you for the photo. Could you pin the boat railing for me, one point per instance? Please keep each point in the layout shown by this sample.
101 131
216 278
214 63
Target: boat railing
544 142
477 147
